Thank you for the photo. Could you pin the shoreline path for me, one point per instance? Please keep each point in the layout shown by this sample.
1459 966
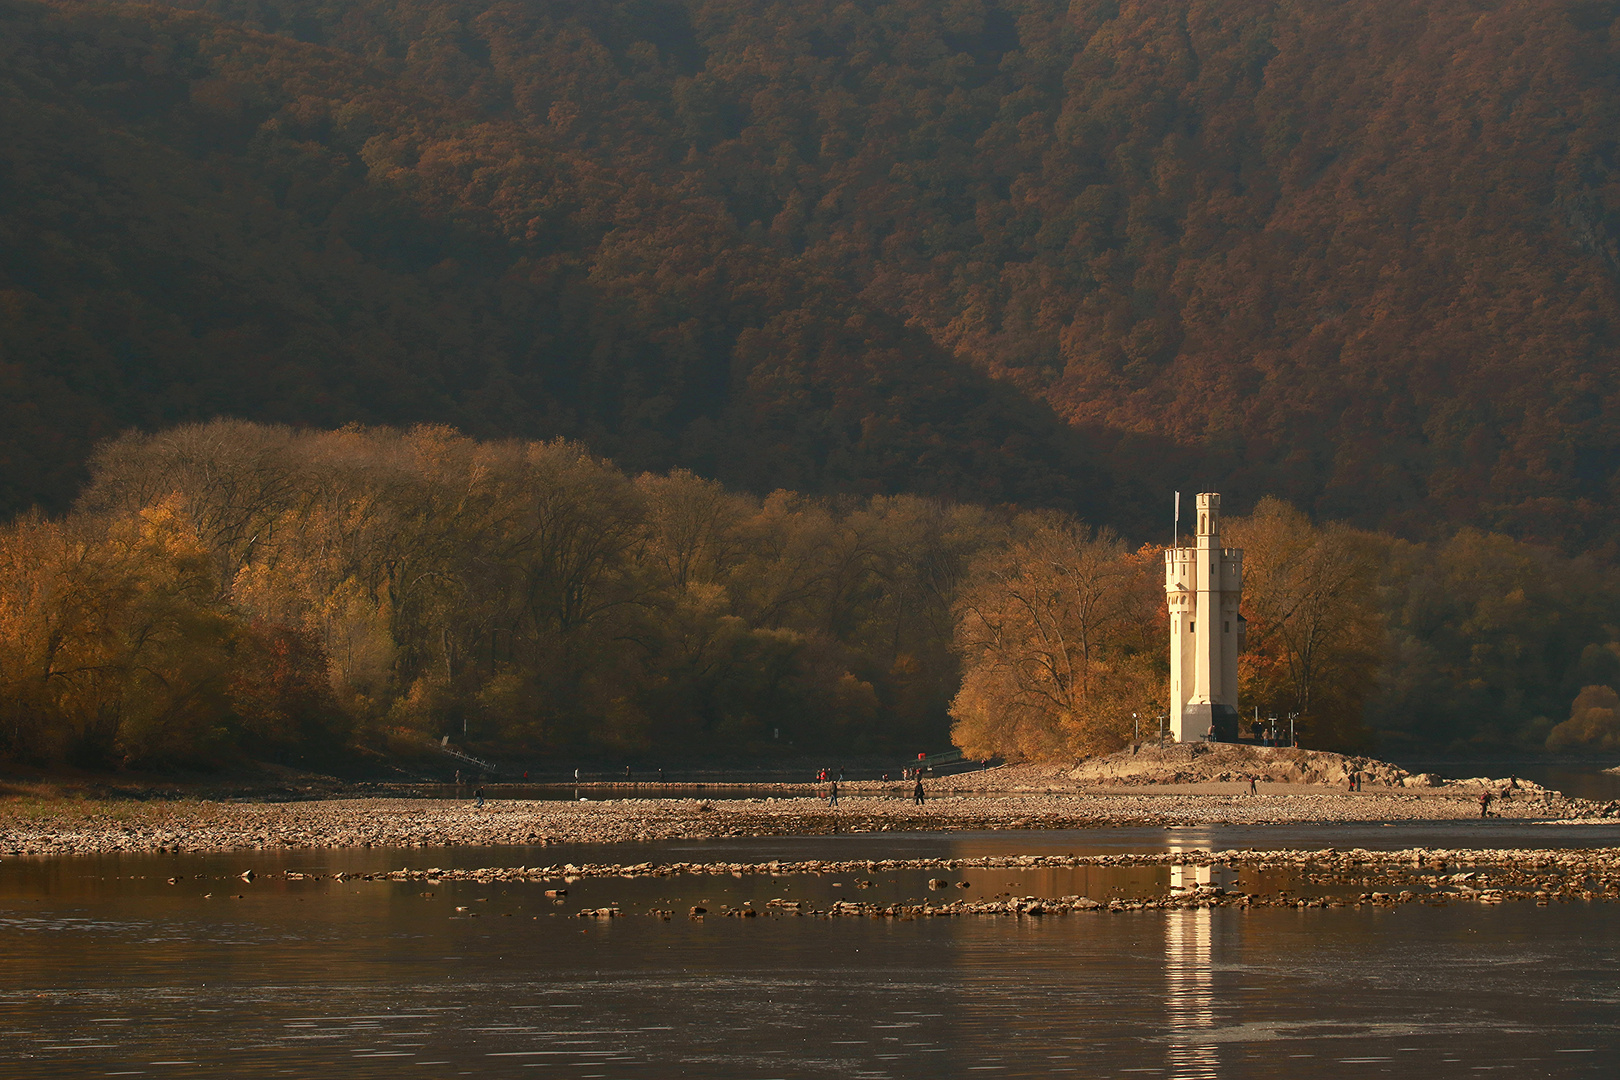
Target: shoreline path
82 826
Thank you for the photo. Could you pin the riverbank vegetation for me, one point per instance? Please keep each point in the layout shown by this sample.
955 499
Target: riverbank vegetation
240 586
234 589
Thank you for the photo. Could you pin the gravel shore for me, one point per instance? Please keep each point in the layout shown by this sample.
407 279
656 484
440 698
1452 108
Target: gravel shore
40 827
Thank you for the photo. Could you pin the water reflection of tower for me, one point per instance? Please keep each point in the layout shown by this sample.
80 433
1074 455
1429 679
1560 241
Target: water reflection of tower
1190 994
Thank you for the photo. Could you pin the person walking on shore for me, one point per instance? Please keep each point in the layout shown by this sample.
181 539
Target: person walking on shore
917 795
1484 804
832 795
478 793
1252 789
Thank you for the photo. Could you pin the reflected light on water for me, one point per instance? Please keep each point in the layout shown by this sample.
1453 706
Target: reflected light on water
176 964
1190 994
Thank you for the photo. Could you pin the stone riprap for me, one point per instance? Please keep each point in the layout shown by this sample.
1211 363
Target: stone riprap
1338 878
87 826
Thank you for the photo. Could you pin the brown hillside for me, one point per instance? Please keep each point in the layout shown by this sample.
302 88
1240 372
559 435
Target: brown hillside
1362 255
199 219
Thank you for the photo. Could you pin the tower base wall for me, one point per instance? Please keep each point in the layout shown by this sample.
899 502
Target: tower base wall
1219 722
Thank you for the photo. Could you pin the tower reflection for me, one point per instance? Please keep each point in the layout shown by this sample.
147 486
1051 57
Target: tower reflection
1190 994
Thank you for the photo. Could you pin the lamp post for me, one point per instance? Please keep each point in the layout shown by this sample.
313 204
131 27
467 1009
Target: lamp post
1137 724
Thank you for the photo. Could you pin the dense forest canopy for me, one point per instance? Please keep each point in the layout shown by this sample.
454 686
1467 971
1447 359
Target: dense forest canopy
1358 255
197 219
1363 254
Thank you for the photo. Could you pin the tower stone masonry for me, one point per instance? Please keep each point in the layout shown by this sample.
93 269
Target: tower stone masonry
1203 585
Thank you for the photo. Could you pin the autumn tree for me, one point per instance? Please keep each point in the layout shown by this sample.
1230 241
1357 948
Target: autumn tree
1593 725
40 624
1314 625
1057 635
234 479
115 646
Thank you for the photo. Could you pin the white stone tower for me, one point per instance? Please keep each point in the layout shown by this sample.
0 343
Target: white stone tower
1203 585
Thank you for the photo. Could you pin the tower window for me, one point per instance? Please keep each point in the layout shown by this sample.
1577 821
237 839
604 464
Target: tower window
1192 628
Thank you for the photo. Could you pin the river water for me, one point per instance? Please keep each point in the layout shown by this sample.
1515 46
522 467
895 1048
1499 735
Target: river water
109 969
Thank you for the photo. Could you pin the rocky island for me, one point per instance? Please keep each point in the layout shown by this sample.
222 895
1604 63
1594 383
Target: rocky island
1188 784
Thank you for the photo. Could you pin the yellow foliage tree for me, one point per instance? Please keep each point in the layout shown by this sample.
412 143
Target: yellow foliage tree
1593 725
1057 636
113 643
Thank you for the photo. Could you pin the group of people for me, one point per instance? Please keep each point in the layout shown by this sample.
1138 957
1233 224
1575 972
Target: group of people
826 777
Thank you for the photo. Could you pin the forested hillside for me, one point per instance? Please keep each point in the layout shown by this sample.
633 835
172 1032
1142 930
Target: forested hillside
1358 255
1363 253
197 220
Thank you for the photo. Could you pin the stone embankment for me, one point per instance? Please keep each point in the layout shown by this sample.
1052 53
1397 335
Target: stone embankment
84 827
